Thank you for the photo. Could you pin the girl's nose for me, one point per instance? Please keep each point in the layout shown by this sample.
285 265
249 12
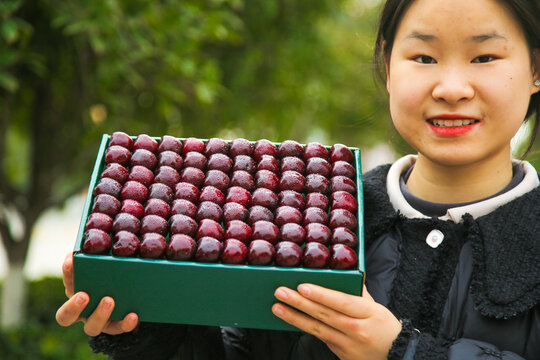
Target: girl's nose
453 87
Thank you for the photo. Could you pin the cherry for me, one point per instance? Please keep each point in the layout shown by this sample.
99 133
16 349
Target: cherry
216 146
121 139
266 179
317 183
108 186
342 183
157 207
145 142
152 246
317 165
316 255
168 176
116 172
314 149
182 224
317 200
261 252
258 212
208 249
219 162
340 152
134 190
160 191
192 175
237 229
213 194
292 232
239 195
342 218
291 163
343 257
141 174
195 159
127 222
99 221
243 179
240 146
292 180
264 147
268 162
316 232
172 159
209 210
117 154
290 148
187 191
265 230
343 200
287 214
292 198
265 197
218 179
209 227
343 168
106 204
154 224
184 207
181 247
126 244
144 158
96 241
244 162
169 143
342 235
193 144
234 252
288 254
234 211
132 207
314 215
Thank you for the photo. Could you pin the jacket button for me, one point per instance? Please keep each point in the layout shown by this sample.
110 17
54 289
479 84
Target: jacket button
434 238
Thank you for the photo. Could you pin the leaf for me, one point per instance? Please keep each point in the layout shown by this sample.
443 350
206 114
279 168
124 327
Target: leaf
10 31
8 82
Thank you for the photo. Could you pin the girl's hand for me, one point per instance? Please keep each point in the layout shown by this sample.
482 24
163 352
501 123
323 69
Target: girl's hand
353 327
99 321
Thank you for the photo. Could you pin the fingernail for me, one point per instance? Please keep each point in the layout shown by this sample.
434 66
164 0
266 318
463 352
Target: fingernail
304 289
278 311
281 294
107 304
80 299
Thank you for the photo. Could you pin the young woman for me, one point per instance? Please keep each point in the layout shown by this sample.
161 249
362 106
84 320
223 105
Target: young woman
452 233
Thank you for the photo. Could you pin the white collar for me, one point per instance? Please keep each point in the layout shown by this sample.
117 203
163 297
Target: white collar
529 182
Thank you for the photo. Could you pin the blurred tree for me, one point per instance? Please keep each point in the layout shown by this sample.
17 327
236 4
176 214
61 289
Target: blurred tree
72 70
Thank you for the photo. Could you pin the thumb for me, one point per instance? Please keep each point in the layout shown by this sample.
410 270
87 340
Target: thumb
365 293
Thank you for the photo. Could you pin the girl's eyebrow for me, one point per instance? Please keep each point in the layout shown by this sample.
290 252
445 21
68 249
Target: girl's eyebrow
415 35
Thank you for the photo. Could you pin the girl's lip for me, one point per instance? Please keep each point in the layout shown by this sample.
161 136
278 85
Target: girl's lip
452 131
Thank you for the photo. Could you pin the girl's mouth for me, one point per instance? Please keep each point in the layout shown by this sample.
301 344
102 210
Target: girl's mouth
452 123
452 127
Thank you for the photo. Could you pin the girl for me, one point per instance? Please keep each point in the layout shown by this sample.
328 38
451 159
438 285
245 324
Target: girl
452 244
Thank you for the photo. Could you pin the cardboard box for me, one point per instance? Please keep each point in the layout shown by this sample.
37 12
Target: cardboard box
199 293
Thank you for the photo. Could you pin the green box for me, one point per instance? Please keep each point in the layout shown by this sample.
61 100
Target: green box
199 293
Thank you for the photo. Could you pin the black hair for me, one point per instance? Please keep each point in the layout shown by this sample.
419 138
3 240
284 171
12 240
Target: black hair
526 12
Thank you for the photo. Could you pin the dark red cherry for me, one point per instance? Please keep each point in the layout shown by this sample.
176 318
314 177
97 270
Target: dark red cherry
187 191
237 229
181 247
208 249
343 257
132 207
314 149
264 147
316 255
117 154
261 252
292 198
108 186
290 148
234 252
161 191
317 200
192 144
96 241
343 168
244 162
317 165
153 246
219 162
292 232
116 172
340 152
342 218
145 142
234 211
182 224
268 162
342 235
144 158
320 233
184 207
344 200
209 227
141 174
126 244
265 197
106 204
342 183
257 213
265 230
213 194
134 190
168 176
216 146
99 221
287 214
195 159
243 179
154 224
291 163
292 180
121 139
193 176
240 146
169 143
157 207
288 254
209 210
126 222
170 158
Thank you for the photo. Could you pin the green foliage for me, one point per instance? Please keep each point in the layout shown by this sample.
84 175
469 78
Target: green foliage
41 337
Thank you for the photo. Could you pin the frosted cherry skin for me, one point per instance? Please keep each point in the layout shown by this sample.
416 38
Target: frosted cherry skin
134 190
121 139
168 176
182 224
208 249
107 204
161 191
258 212
96 241
144 141
184 207
157 207
234 211
265 197
115 171
126 244
314 149
144 158
237 229
211 228
117 154
153 246
99 221
154 224
219 162
234 252
290 148
187 191
192 144
170 158
292 232
245 163
108 186
127 222
240 146
265 230
169 143
181 247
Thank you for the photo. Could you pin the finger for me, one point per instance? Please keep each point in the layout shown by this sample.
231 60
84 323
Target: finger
351 305
308 324
365 293
96 323
67 274
127 324
70 311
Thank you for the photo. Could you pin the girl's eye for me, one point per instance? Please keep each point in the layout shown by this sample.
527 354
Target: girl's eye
424 59
483 59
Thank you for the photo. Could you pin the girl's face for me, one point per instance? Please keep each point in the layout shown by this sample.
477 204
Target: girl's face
460 79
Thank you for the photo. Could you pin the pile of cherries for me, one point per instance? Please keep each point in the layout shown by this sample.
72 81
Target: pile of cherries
233 202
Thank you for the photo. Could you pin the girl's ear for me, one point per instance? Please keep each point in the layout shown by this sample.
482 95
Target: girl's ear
536 70
386 59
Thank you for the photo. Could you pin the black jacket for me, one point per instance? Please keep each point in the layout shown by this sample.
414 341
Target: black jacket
475 296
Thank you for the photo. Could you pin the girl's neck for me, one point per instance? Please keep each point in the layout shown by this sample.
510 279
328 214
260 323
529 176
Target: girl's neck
456 184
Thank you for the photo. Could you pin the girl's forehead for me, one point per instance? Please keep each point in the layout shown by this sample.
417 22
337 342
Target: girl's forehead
435 19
